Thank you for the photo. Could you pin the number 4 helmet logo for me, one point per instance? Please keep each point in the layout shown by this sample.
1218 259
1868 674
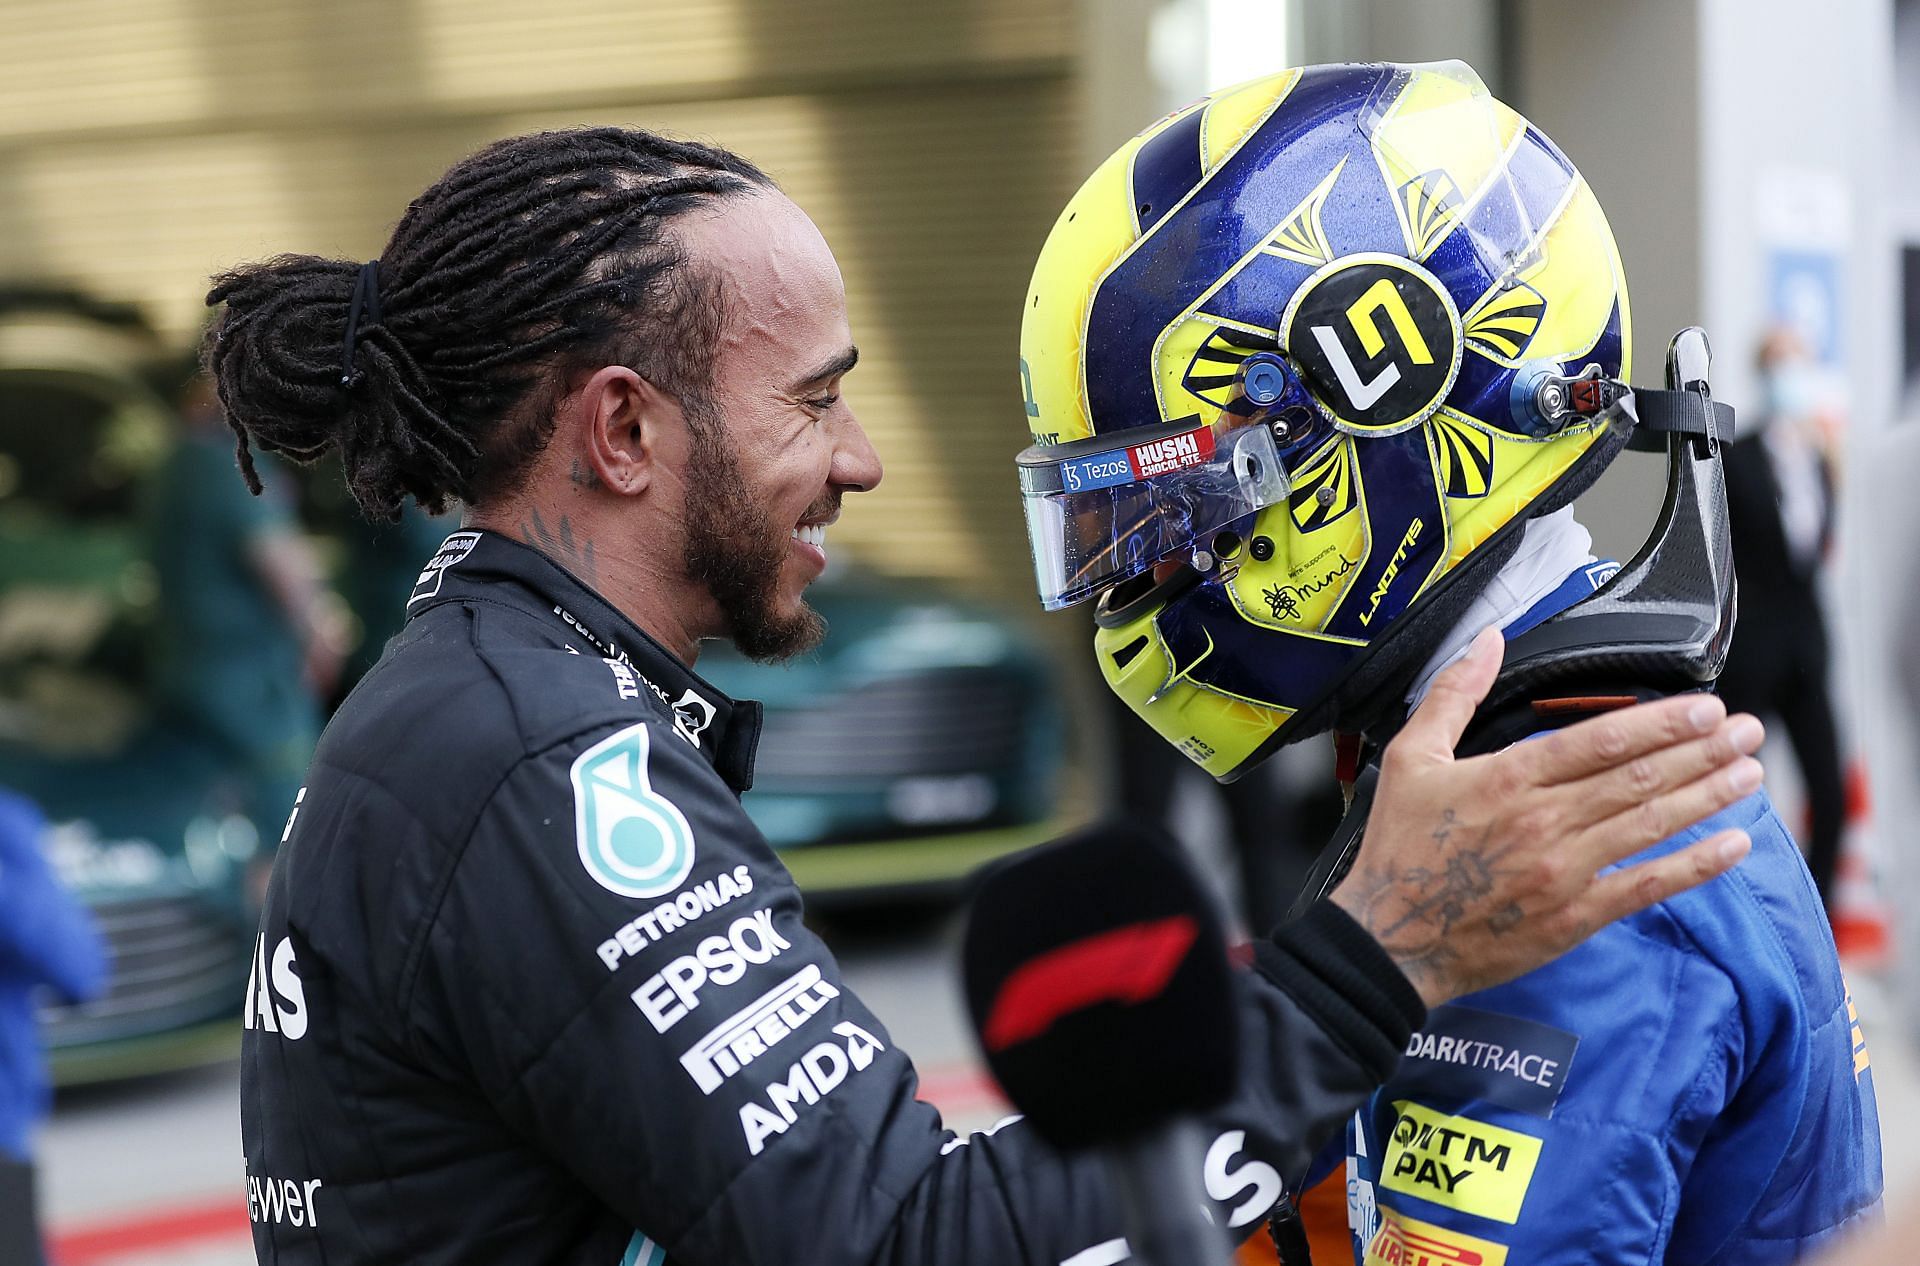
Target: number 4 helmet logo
632 840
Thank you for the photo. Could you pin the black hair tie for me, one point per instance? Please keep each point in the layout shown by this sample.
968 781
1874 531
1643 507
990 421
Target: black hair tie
366 303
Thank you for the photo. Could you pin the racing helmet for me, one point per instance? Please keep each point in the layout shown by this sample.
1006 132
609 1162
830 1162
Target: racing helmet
1324 341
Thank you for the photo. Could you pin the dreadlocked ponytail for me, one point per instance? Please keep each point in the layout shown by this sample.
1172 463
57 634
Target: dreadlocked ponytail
432 369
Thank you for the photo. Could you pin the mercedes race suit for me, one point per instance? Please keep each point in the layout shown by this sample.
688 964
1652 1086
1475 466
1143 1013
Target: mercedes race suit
530 988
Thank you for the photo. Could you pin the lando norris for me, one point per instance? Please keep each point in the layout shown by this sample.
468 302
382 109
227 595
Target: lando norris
528 985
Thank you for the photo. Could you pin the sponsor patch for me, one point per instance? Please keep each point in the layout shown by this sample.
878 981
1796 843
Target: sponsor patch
1102 470
273 1201
1363 1212
632 840
633 936
623 679
812 1077
691 716
1464 1053
451 551
276 1001
691 713
666 996
1176 452
756 1028
1459 1162
1405 1241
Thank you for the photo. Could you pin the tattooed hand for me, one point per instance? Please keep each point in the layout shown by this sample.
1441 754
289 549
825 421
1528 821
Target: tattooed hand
1475 871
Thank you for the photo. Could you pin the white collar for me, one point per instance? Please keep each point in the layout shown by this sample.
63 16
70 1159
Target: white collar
1553 547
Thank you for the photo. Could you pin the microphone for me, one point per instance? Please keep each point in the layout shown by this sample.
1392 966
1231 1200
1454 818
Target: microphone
1098 982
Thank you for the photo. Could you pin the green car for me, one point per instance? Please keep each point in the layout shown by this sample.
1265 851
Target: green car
922 739
147 830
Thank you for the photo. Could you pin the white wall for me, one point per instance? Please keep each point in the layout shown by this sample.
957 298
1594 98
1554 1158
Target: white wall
1793 107
1905 166
1714 130
1614 85
1798 109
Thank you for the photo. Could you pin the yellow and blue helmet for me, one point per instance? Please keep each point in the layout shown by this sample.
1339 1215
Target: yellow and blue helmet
1325 341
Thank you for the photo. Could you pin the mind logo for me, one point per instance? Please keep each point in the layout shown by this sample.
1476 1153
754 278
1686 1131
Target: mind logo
632 840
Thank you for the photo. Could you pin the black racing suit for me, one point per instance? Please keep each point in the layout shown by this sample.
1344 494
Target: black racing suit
530 988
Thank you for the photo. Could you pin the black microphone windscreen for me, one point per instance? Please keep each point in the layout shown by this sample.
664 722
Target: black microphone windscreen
1098 981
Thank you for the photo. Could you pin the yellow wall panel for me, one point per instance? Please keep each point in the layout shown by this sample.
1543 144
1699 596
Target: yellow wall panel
144 144
78 65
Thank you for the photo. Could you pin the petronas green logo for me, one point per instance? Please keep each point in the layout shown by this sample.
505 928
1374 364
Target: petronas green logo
633 841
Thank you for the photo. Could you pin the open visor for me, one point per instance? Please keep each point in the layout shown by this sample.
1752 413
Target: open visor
1098 513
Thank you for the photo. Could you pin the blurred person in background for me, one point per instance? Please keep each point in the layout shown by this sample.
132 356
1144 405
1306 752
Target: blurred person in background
374 565
1780 501
1317 367
47 941
250 639
379 563
529 985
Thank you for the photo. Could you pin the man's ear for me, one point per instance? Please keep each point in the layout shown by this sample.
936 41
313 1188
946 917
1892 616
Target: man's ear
622 419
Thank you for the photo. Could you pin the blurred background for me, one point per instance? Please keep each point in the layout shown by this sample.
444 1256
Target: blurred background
168 645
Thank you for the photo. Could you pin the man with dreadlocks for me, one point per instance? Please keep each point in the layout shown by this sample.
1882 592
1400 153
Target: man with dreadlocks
528 986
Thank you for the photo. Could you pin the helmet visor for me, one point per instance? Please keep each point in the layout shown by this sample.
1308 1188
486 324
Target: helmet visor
1099 513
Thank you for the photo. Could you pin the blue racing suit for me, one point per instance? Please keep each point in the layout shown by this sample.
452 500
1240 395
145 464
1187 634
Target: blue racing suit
1691 1086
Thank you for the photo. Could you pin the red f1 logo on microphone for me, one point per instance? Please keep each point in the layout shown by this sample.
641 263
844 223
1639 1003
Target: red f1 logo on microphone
1127 965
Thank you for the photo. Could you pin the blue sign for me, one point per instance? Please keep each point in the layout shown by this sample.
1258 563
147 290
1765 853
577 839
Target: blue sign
1803 292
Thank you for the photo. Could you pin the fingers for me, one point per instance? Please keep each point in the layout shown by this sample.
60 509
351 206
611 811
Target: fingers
1665 815
1616 738
1435 727
1634 888
1729 748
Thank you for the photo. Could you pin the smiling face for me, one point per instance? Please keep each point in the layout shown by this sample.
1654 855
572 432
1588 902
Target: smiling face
775 447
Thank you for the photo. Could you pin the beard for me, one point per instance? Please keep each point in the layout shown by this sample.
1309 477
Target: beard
738 553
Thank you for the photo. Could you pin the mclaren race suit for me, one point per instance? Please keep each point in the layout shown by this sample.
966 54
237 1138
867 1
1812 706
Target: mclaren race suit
1690 1086
530 988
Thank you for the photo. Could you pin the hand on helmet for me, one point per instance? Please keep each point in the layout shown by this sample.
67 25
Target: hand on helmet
1478 870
